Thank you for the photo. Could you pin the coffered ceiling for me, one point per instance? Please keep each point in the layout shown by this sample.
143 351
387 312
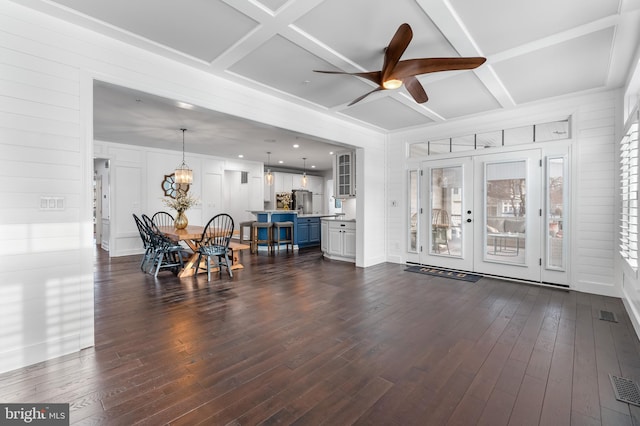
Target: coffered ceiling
535 50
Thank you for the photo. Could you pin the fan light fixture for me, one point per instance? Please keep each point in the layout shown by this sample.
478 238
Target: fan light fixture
269 175
304 175
392 84
396 73
183 173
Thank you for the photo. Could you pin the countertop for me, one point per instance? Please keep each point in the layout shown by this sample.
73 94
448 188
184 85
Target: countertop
323 216
320 215
339 218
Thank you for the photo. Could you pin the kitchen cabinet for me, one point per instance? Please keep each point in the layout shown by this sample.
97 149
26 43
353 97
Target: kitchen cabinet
344 176
287 182
324 236
283 182
341 240
308 231
315 184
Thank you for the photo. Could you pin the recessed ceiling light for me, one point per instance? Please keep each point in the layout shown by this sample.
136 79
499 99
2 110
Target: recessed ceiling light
295 145
240 156
280 162
331 153
313 167
184 105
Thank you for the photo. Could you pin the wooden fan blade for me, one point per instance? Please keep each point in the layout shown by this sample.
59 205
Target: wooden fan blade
374 76
412 67
396 48
416 90
356 100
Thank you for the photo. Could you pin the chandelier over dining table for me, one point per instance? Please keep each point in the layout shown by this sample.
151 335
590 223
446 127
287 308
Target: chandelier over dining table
183 173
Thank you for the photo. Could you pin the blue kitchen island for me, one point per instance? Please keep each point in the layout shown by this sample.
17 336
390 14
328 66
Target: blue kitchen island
306 227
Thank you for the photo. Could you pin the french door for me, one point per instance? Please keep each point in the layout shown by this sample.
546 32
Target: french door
484 214
447 214
508 206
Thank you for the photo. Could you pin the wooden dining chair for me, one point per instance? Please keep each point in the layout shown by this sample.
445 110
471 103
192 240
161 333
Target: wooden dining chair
214 243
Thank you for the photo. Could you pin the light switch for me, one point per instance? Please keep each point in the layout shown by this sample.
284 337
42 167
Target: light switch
52 203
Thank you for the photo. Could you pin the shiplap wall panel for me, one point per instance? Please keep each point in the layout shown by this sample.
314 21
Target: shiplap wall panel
39 125
39 71
397 223
41 156
30 138
595 238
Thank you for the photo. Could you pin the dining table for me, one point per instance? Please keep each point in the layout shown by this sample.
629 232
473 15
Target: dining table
191 236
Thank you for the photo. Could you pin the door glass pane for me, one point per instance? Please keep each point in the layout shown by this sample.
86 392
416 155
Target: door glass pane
446 211
413 210
506 212
555 210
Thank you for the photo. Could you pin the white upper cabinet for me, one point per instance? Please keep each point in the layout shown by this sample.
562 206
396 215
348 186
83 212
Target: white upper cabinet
316 184
344 176
283 182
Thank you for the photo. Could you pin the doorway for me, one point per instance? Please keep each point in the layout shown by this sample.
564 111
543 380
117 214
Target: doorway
496 214
101 198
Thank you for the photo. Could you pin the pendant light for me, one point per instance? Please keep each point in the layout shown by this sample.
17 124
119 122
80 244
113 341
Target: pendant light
269 175
183 173
304 175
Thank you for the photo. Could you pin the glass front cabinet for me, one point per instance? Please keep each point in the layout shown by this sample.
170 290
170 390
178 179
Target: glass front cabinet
344 175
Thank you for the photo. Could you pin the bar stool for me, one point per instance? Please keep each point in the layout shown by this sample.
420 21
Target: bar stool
243 225
288 234
255 236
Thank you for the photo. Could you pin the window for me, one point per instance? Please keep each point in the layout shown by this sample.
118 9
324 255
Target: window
414 210
555 207
552 130
518 136
629 195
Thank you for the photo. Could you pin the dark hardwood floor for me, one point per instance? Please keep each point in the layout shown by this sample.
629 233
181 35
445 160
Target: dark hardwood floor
295 339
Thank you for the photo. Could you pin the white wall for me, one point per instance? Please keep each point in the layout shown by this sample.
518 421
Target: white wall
136 177
46 273
46 139
594 167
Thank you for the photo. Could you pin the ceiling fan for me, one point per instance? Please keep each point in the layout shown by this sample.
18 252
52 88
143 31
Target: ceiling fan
395 72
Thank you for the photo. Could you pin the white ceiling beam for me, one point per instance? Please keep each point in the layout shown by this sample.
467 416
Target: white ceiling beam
269 25
452 28
625 40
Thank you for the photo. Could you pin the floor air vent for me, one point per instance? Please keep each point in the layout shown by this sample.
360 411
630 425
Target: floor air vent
608 316
626 390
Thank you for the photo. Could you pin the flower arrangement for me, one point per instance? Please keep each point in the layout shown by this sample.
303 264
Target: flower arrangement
284 198
182 202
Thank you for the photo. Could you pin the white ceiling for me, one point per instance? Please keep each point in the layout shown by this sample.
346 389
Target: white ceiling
535 50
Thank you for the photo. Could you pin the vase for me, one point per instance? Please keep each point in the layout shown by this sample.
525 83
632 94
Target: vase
286 207
181 221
